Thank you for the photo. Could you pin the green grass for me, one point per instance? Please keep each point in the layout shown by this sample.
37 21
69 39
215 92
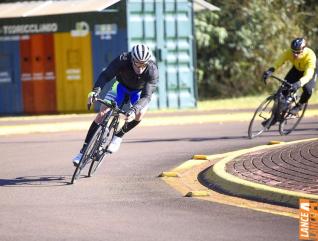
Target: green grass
250 102
234 103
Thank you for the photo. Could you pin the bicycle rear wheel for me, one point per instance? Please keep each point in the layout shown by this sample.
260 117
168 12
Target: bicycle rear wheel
262 114
88 155
290 122
97 161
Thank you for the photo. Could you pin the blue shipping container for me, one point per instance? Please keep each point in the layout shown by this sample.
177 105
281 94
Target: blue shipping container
108 41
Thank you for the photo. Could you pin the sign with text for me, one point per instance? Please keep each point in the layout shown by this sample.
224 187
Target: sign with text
308 220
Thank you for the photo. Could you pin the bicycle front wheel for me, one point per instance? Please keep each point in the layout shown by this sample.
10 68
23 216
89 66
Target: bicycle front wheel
262 118
290 122
78 170
88 155
99 157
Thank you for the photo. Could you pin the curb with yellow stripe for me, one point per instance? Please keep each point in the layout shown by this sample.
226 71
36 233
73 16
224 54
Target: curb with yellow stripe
216 176
239 187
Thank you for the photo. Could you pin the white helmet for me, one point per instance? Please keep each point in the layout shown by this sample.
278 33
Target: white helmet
140 53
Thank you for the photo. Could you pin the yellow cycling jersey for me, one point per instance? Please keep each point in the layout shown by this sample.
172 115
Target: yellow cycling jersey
306 62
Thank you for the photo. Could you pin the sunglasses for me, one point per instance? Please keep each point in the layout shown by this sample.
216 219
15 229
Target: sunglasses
139 65
297 52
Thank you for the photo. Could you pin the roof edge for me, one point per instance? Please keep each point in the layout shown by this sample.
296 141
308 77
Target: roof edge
199 5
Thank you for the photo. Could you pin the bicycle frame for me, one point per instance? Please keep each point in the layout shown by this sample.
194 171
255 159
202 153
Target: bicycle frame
284 97
276 108
114 112
96 151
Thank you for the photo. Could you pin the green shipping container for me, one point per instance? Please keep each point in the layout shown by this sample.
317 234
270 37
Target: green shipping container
167 27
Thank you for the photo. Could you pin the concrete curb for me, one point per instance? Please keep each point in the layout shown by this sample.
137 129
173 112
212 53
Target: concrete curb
218 178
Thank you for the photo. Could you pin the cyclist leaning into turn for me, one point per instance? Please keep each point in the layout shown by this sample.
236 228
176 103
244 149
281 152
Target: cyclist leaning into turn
137 77
302 74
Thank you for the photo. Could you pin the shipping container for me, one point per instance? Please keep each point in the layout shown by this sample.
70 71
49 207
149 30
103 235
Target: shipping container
167 27
62 54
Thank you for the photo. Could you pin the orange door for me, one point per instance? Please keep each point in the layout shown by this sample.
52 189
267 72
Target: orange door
39 82
43 73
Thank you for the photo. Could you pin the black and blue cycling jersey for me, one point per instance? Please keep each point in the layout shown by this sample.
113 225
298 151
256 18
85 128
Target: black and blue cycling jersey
130 83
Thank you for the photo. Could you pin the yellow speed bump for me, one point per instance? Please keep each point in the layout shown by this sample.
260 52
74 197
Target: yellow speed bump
199 157
275 142
197 194
169 174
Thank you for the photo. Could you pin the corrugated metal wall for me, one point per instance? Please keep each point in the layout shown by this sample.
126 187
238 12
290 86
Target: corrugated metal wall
166 26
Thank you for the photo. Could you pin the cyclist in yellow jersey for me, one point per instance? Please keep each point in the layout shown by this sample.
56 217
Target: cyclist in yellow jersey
302 74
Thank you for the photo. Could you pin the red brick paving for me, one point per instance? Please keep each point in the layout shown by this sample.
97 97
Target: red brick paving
291 167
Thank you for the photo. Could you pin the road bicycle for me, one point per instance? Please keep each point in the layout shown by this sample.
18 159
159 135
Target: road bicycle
276 109
97 147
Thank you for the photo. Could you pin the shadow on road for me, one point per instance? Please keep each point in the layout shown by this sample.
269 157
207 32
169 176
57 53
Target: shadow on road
35 181
194 139
41 141
270 133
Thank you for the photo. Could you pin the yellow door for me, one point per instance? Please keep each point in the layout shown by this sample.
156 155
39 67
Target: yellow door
74 74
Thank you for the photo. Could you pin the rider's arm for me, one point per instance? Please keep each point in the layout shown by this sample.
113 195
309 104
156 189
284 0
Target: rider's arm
310 68
145 97
147 91
109 73
281 59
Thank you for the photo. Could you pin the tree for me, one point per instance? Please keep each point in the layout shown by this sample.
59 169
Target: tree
237 44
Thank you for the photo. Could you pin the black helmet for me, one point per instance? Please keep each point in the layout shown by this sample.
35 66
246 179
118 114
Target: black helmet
298 44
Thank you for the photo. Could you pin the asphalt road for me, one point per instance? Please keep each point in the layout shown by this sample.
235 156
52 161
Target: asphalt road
126 200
